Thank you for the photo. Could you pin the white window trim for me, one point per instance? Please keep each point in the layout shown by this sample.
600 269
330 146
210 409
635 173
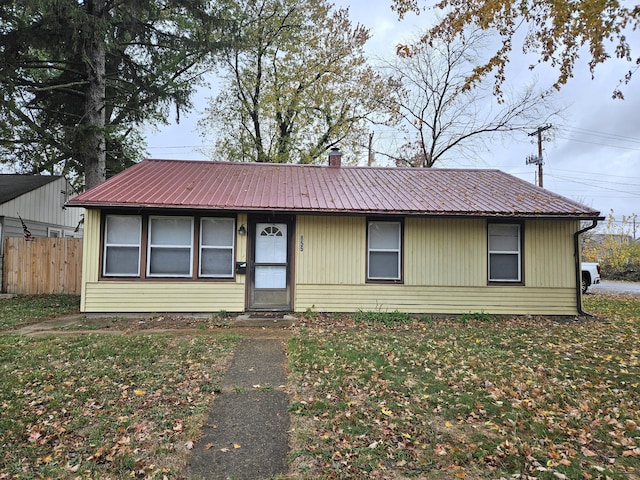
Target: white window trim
212 247
518 253
56 230
124 245
150 247
395 250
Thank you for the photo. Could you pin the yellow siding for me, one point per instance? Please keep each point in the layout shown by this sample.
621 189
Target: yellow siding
548 253
90 252
334 250
445 251
445 268
154 296
445 271
193 297
241 246
445 300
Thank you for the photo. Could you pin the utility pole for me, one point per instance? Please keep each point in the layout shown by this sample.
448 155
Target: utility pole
538 160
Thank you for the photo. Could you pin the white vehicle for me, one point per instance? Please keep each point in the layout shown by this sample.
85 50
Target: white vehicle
590 274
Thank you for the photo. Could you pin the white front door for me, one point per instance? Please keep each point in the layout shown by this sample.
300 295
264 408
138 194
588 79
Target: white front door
269 285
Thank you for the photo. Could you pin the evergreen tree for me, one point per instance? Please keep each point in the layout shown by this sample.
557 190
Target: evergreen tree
79 78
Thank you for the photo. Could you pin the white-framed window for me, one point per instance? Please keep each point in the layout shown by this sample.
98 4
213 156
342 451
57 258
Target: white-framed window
505 256
170 247
217 242
54 232
122 240
384 253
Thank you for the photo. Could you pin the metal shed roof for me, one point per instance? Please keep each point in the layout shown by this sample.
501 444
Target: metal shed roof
308 188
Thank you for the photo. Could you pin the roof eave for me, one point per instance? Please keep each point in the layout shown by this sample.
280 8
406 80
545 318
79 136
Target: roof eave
421 213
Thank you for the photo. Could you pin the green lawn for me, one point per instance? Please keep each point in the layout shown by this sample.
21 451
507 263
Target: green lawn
105 406
25 309
472 397
372 396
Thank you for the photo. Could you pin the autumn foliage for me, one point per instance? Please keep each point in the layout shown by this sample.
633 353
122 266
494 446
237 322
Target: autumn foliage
559 32
473 397
616 249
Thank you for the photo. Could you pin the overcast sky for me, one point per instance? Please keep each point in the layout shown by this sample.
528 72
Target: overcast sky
593 158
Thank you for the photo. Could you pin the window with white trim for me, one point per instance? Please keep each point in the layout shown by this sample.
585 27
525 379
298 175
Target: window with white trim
170 247
384 254
54 232
122 240
217 236
505 256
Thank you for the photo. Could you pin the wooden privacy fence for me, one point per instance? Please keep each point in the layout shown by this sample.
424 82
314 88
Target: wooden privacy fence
42 265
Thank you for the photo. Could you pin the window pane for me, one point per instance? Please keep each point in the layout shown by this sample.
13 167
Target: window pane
217 232
384 265
271 243
170 231
170 261
123 230
271 277
503 267
217 262
384 235
504 238
122 261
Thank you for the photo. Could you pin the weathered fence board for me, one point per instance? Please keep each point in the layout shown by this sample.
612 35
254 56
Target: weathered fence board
43 265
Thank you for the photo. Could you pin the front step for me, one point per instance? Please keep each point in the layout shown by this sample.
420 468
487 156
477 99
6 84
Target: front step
265 320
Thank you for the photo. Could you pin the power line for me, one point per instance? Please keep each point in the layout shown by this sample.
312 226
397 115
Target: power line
599 174
595 185
596 143
586 131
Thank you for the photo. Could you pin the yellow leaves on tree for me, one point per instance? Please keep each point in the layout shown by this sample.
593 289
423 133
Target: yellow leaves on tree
557 31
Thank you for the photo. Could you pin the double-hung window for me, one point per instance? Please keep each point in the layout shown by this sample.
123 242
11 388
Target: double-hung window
122 240
216 247
170 247
505 255
384 253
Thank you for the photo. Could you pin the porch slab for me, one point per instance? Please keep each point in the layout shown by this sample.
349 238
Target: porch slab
265 320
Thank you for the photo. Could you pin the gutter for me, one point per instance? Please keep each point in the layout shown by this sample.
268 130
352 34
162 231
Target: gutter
576 254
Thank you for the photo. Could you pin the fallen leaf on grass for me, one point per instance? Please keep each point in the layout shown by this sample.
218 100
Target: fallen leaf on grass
440 450
236 445
208 446
188 445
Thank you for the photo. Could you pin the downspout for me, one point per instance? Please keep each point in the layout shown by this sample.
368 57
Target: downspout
576 255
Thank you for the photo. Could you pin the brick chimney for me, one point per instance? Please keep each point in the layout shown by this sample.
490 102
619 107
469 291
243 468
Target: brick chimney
335 157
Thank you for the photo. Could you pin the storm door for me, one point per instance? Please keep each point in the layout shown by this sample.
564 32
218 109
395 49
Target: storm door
269 285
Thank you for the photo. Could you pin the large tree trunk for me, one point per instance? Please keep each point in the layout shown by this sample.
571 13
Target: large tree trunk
93 143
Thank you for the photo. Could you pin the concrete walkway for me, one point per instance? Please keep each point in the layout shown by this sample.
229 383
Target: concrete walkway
246 433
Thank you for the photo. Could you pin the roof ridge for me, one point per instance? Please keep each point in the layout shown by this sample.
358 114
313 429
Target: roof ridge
316 165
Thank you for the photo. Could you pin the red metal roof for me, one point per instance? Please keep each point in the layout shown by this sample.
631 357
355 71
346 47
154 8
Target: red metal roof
311 188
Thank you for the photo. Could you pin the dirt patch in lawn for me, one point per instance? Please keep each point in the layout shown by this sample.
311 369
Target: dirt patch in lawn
157 325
